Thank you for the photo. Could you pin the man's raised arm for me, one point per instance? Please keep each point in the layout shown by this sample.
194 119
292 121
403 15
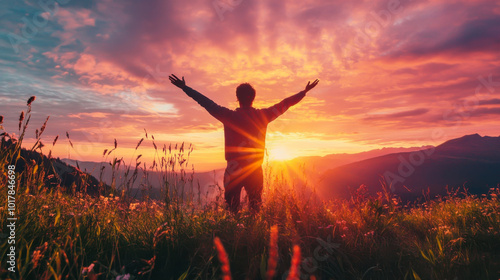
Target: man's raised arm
213 108
278 109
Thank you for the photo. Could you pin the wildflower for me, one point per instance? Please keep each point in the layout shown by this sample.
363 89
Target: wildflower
124 277
133 206
38 254
370 233
294 269
88 270
273 253
223 258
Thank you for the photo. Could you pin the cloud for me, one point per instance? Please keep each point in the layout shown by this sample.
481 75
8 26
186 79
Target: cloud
109 60
393 116
444 28
72 19
494 101
486 111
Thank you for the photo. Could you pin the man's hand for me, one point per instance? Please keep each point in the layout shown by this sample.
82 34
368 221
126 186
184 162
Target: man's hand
311 86
176 81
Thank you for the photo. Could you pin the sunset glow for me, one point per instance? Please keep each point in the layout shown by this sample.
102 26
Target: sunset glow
393 73
280 153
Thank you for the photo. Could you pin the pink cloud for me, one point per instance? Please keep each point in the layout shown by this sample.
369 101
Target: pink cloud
71 19
412 68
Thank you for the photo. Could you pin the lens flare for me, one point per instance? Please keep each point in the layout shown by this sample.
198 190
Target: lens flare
280 153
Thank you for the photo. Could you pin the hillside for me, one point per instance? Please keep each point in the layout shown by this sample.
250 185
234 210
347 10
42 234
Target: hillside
206 181
56 173
313 167
471 161
321 164
64 235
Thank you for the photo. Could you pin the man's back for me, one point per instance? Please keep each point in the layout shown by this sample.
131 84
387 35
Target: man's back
244 138
244 128
245 134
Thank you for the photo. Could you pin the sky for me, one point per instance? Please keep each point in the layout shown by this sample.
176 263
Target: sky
392 73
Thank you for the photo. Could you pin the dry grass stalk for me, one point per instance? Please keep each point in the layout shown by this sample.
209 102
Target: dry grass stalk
67 136
138 144
21 118
44 126
30 100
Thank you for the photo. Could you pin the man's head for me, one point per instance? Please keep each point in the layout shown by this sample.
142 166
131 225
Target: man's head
245 94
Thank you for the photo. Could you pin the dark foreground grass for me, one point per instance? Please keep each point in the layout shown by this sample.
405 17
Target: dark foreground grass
64 235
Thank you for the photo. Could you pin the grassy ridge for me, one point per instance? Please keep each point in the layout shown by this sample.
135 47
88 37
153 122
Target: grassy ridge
64 235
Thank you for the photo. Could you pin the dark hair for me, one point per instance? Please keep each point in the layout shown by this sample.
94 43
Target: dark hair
245 94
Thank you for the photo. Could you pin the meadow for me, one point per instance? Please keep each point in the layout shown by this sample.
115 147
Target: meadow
66 234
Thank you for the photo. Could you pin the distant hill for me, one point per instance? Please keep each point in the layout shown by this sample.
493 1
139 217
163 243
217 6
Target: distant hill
321 164
471 161
103 171
308 171
314 166
56 173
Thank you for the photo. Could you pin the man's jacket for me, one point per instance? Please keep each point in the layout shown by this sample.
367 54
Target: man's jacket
244 128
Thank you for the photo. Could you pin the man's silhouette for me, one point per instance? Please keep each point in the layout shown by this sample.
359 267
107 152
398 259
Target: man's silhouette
244 137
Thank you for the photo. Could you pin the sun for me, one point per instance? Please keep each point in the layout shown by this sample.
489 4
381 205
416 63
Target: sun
280 153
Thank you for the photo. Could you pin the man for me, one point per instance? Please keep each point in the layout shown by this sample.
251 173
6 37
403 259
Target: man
244 137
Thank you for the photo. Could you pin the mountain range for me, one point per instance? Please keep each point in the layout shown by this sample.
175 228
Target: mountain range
471 161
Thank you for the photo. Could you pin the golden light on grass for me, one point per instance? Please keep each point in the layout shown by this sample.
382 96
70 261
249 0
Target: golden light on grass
449 221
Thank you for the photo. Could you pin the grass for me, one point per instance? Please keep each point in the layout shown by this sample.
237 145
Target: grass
63 234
